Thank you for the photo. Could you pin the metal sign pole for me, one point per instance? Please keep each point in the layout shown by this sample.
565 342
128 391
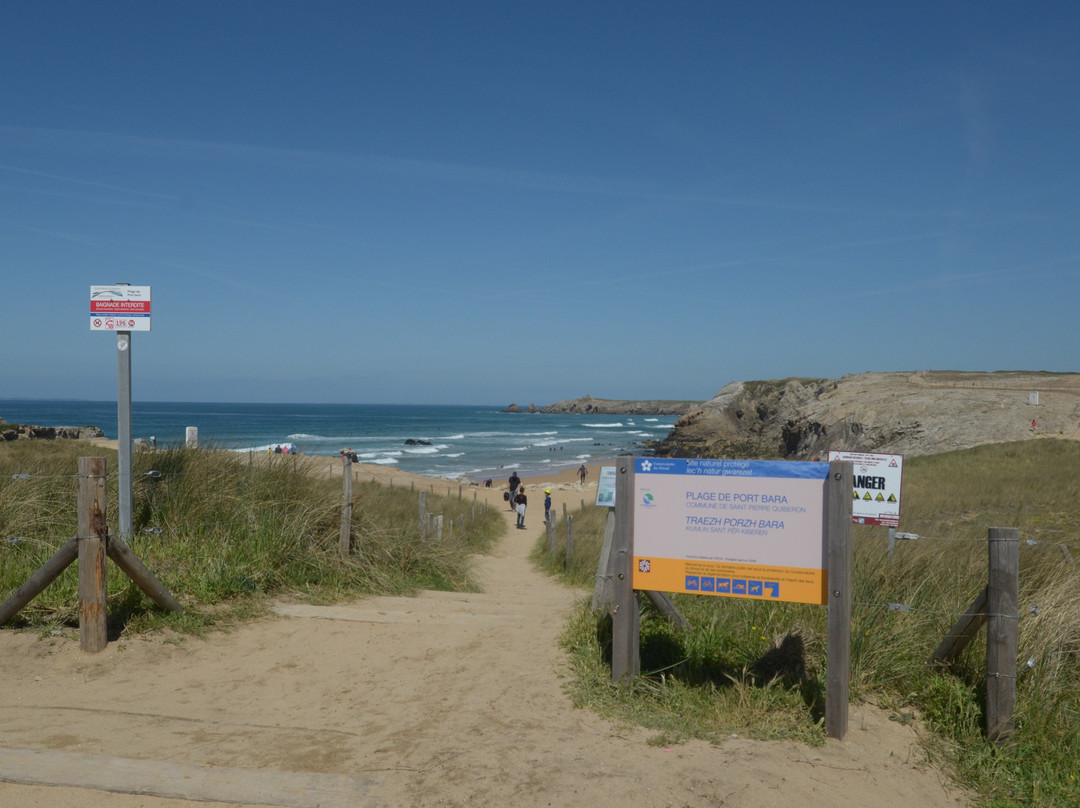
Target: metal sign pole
123 430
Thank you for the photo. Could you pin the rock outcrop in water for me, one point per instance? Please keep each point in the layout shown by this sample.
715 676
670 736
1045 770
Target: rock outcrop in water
903 413
32 432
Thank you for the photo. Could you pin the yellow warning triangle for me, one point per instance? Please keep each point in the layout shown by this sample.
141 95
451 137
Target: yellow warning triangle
867 497
855 494
892 497
880 497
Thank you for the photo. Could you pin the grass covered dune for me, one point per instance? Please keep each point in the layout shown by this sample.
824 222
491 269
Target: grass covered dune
224 535
757 669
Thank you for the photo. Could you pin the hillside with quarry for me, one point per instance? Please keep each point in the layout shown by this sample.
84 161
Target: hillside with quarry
904 413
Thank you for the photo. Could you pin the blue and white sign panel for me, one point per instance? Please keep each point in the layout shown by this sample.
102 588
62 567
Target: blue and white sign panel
738 528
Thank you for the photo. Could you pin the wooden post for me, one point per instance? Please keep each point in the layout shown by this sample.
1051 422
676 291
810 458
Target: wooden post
553 541
438 527
346 504
603 592
37 582
423 505
962 632
838 489
93 533
1002 624
626 619
133 567
666 607
569 539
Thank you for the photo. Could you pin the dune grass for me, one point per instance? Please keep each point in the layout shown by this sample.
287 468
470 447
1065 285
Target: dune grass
224 534
757 669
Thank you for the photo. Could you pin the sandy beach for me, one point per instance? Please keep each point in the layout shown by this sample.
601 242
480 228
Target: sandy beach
447 699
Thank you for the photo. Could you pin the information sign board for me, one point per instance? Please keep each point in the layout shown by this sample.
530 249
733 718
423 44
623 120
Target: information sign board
605 487
875 499
119 308
734 528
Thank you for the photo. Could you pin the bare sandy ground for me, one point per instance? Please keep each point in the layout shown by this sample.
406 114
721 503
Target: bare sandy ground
442 700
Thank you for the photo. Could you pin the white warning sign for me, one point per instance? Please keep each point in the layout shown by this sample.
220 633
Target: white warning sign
875 498
120 308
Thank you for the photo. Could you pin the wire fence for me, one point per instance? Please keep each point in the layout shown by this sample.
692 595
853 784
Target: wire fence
166 532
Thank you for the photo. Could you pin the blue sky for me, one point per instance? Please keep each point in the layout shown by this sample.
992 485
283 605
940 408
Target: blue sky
463 202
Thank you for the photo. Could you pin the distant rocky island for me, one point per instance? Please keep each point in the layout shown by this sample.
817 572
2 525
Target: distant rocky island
33 432
587 405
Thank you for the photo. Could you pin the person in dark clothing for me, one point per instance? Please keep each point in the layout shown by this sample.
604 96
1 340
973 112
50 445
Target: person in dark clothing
515 481
521 501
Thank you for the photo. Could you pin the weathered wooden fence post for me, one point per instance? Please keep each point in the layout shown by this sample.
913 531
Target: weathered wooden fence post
604 591
93 534
133 567
346 504
569 539
37 582
1002 625
553 541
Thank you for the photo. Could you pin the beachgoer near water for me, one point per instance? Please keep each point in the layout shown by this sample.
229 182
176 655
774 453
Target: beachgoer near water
582 473
547 504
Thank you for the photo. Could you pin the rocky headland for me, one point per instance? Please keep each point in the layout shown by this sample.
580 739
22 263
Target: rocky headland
904 413
587 405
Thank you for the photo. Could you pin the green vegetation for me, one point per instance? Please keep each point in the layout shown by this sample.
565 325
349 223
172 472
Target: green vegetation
224 535
757 669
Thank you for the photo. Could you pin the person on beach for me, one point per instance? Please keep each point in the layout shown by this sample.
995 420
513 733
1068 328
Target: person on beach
582 473
521 501
547 504
514 482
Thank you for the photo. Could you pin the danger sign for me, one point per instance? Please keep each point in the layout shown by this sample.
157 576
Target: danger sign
875 498
119 308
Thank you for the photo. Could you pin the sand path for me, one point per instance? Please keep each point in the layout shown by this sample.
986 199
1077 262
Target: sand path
441 700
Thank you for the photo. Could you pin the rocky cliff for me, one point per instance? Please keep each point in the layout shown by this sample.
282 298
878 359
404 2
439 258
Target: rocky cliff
903 413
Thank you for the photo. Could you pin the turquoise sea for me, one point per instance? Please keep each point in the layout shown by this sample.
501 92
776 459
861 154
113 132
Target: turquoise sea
476 442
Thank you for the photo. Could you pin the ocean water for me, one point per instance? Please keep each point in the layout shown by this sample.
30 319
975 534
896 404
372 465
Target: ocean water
476 442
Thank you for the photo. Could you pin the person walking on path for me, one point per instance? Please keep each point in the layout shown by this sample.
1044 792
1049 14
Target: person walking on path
514 482
582 473
547 504
521 501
